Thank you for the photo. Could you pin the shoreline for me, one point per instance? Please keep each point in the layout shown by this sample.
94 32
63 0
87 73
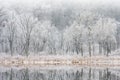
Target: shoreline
100 61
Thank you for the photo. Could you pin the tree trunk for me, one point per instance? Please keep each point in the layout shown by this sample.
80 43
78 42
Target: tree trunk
100 48
27 47
11 47
89 44
93 48
81 49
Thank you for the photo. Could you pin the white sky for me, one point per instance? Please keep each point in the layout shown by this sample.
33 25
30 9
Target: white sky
34 2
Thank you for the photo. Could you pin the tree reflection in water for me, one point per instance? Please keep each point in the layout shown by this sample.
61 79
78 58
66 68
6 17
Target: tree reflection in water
59 74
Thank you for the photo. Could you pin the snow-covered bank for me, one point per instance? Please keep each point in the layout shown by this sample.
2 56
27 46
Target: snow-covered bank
100 61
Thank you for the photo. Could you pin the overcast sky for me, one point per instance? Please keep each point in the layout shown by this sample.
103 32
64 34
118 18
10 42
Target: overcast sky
34 2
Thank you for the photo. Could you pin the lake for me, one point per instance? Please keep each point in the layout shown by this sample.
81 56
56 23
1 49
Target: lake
59 73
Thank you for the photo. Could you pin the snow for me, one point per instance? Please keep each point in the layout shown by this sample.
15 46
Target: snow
60 60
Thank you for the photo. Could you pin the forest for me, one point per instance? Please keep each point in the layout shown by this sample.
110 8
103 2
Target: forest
59 28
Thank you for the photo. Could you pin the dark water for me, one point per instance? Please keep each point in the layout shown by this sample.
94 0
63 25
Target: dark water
58 73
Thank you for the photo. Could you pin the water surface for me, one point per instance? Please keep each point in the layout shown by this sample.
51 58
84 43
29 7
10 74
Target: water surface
58 73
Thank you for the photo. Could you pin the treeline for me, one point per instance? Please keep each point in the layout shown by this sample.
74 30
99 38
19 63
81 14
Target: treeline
57 32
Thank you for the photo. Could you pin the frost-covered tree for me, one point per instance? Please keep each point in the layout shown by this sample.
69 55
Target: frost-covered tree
3 21
105 31
88 18
27 23
11 33
58 28
46 37
74 38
